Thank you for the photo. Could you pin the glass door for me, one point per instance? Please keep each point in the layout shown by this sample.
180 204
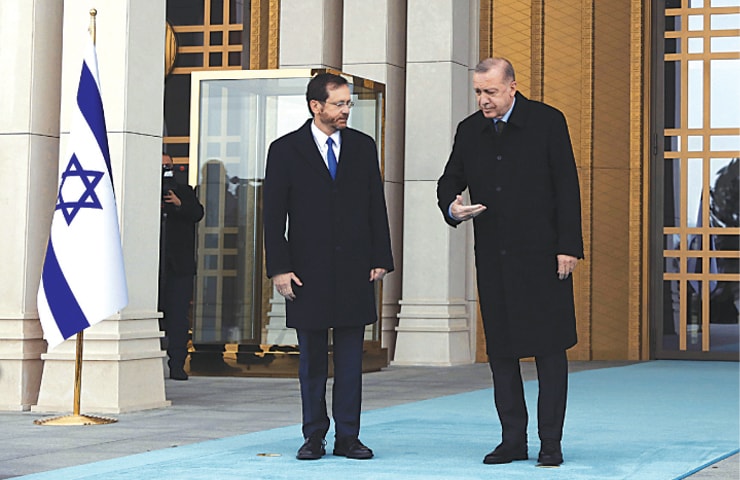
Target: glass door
238 320
697 150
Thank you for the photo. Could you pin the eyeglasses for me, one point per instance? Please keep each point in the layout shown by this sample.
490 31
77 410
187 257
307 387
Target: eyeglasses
342 104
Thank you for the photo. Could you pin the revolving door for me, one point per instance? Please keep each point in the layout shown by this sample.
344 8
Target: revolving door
238 324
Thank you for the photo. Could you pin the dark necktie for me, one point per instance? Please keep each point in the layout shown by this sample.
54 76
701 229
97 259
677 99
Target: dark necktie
331 159
499 126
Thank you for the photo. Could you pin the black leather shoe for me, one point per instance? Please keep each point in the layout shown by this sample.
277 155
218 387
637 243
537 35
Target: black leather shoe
506 453
352 448
550 454
178 374
312 449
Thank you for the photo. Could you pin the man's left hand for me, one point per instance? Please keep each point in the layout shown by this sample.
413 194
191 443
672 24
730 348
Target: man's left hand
377 274
566 265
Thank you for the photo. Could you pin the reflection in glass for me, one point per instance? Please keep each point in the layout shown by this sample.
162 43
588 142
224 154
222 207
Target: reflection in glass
672 94
694 264
724 143
724 330
696 45
724 21
188 14
235 37
696 22
694 186
672 45
190 39
672 192
700 307
215 59
672 331
695 143
724 93
671 264
695 102
217 12
725 44
236 11
672 242
694 320
673 23
672 144
185 60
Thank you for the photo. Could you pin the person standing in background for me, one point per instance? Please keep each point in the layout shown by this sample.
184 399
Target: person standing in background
180 211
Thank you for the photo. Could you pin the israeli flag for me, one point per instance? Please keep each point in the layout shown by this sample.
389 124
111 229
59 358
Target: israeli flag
83 280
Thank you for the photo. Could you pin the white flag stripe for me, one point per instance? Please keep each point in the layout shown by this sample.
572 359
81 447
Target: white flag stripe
83 280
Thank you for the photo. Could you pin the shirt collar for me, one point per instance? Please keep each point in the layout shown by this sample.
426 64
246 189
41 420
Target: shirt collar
506 116
320 137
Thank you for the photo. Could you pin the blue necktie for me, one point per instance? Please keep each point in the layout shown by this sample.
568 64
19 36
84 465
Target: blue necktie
331 159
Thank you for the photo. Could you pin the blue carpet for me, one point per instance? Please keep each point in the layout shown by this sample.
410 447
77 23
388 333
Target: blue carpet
654 420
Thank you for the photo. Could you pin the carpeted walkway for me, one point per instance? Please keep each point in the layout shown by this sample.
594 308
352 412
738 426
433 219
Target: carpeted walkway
655 420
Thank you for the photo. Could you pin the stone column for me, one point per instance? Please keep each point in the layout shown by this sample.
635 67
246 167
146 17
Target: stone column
311 34
374 47
438 310
31 31
122 361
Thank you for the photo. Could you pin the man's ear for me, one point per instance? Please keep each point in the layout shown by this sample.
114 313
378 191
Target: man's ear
315 106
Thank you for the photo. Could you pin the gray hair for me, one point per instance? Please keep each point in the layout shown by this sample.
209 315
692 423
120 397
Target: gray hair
486 65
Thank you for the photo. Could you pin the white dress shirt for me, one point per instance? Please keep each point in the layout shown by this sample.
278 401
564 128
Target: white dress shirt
320 138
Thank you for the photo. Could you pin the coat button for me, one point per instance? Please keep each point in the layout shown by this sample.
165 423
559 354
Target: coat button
498 189
499 157
503 252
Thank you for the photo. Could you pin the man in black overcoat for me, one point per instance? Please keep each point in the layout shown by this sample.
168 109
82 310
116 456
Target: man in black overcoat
515 158
180 211
323 185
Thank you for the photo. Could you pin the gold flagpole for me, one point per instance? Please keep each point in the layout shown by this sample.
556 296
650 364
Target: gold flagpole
76 418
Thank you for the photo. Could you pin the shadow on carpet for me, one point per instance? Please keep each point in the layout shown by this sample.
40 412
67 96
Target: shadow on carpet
654 420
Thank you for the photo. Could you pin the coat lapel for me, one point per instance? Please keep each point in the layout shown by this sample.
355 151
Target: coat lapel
307 149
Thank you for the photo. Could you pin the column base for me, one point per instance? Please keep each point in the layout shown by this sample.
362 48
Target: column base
433 334
21 346
121 369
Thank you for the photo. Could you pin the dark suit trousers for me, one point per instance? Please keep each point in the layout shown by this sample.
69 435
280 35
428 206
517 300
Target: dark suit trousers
177 292
508 392
313 373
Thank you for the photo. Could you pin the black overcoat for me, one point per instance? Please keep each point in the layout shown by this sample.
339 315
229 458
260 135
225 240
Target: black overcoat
337 230
527 179
178 231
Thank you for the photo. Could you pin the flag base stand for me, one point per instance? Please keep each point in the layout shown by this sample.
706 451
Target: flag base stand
75 419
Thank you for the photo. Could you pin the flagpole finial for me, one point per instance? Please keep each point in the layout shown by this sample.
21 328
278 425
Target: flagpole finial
93 15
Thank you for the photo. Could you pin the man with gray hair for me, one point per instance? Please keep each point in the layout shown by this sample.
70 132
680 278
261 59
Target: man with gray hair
514 157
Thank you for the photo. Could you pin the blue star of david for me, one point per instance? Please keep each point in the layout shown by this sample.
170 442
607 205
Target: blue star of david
88 199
